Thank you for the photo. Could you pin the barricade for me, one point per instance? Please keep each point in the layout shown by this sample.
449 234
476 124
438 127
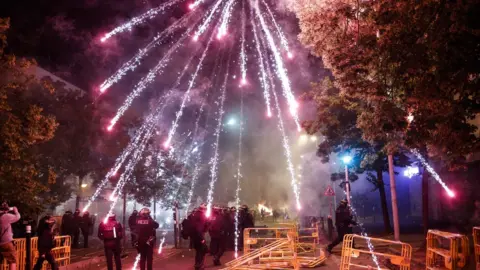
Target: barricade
449 250
309 253
476 245
254 238
352 256
61 252
279 254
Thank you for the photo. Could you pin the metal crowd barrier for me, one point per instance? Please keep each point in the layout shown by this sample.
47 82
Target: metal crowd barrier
279 254
476 245
351 256
61 252
255 238
450 250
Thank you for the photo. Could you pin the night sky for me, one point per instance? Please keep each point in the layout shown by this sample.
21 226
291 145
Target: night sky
63 36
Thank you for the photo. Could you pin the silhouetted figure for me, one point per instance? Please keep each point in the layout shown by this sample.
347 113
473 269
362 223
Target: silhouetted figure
343 222
132 222
111 232
146 237
85 226
46 242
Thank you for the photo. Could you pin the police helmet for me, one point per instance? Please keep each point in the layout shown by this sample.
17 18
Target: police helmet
343 202
112 216
145 212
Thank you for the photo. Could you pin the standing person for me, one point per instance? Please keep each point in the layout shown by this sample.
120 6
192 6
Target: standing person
217 231
67 222
77 219
132 221
246 221
8 215
199 228
111 232
275 215
146 235
85 225
343 222
46 242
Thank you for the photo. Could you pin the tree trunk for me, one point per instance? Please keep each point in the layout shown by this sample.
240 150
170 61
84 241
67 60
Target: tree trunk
383 202
393 194
425 212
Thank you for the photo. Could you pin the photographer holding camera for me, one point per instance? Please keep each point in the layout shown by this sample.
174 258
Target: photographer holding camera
8 215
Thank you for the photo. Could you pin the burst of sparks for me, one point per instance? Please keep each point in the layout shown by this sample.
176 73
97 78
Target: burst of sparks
432 172
186 96
135 264
286 144
286 148
207 21
280 68
162 242
243 55
226 15
263 77
147 125
135 61
148 79
238 176
214 159
139 19
281 35
195 4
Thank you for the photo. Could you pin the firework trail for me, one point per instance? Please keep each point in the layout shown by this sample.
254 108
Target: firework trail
239 177
135 264
195 4
263 77
214 160
186 96
139 19
432 172
281 71
147 125
207 21
243 55
286 145
162 242
226 15
135 61
147 80
128 171
283 39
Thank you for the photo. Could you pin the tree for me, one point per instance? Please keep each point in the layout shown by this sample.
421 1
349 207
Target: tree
23 177
402 58
336 119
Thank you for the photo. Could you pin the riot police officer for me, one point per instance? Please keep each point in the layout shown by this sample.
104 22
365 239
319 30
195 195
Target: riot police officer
200 226
344 222
111 232
217 232
145 238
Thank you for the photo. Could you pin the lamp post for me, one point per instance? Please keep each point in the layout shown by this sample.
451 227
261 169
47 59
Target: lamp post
346 160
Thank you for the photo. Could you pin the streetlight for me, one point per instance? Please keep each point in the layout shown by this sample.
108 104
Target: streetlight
84 185
346 160
231 122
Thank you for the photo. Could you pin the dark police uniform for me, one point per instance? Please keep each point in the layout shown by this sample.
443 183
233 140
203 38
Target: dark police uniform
199 227
145 236
343 222
111 233
217 231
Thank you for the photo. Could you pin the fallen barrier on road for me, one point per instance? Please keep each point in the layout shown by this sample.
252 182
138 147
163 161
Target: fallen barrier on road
351 254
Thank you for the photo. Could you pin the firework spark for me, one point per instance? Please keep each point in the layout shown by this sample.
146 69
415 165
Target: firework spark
186 96
139 19
280 68
263 75
226 15
135 61
239 178
147 80
207 21
214 159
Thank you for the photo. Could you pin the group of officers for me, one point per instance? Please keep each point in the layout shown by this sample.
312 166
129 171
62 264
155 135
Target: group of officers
220 225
